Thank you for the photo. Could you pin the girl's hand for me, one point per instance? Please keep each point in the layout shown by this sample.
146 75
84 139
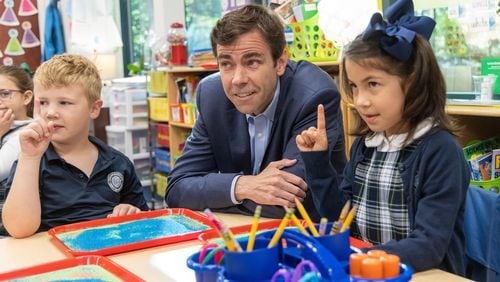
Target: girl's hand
124 209
36 136
314 139
6 119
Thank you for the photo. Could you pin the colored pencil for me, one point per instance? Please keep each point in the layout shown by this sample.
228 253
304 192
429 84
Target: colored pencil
253 229
277 235
224 232
306 217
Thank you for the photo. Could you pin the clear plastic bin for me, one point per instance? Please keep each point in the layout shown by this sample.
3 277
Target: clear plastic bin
130 141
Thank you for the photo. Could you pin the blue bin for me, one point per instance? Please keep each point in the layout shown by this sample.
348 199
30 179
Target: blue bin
203 272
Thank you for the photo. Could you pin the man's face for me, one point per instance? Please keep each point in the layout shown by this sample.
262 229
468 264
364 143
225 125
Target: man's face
248 72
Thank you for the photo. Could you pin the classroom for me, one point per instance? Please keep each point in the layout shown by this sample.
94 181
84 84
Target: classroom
250 140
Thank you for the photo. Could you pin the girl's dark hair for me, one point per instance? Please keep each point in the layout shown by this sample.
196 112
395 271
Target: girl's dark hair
422 82
23 81
246 19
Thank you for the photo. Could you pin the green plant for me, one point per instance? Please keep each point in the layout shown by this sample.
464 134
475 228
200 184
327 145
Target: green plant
136 68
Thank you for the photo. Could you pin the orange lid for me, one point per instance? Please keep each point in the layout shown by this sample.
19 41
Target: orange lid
371 268
376 253
390 265
355 263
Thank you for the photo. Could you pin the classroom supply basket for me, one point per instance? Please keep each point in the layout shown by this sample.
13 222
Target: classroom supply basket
157 82
158 108
264 262
482 152
309 42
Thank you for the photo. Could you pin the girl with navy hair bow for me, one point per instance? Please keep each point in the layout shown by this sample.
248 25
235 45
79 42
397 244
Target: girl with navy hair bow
406 172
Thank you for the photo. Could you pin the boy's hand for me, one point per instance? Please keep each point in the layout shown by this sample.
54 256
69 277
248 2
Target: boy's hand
124 209
314 139
36 136
6 119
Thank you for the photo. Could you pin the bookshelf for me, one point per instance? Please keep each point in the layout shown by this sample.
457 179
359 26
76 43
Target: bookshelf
179 130
476 122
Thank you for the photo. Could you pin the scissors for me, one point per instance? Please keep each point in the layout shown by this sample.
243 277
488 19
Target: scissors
206 255
299 274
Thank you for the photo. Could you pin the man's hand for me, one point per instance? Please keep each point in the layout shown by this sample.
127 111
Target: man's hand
314 139
6 120
36 136
124 209
272 186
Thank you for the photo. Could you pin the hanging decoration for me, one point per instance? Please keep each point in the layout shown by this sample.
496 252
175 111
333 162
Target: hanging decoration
53 32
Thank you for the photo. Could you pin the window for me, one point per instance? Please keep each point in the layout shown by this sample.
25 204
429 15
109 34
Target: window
201 16
136 17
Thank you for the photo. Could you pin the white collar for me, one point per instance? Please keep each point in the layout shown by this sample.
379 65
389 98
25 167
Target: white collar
396 142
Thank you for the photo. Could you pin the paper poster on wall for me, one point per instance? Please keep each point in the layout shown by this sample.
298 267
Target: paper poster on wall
19 33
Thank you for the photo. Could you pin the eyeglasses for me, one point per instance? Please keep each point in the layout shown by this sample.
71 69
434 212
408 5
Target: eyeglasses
5 94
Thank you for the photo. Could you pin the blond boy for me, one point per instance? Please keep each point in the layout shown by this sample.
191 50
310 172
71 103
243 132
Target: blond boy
63 175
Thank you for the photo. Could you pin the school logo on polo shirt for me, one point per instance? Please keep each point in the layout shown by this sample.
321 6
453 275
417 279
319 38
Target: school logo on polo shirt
115 181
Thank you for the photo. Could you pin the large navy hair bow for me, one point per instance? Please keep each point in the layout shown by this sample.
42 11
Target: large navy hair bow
397 33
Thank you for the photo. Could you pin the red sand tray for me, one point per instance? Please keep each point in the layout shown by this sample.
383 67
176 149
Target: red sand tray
101 261
130 246
208 235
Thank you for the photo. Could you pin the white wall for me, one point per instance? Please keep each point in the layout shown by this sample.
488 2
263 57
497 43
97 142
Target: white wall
166 12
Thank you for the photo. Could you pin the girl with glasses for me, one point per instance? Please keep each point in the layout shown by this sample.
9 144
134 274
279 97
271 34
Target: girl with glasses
16 111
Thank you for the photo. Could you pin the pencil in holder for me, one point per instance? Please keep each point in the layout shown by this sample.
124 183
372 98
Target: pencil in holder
257 265
204 272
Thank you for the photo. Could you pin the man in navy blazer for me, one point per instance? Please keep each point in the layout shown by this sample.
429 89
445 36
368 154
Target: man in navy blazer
242 152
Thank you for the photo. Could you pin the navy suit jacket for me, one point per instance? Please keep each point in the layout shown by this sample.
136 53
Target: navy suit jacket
218 148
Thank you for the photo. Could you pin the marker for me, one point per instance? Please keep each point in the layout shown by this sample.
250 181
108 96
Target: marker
306 217
390 265
253 229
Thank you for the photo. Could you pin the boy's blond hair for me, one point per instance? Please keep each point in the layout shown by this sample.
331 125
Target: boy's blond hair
70 70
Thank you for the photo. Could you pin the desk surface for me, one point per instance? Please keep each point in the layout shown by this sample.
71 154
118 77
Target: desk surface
164 263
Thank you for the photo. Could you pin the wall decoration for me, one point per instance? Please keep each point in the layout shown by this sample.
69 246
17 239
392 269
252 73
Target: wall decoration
19 33
7 61
29 38
8 16
14 46
27 8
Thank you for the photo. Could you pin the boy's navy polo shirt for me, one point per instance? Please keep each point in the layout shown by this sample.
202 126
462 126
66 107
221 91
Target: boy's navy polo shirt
67 195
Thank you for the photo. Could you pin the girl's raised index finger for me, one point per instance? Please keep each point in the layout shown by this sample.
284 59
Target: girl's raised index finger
321 117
